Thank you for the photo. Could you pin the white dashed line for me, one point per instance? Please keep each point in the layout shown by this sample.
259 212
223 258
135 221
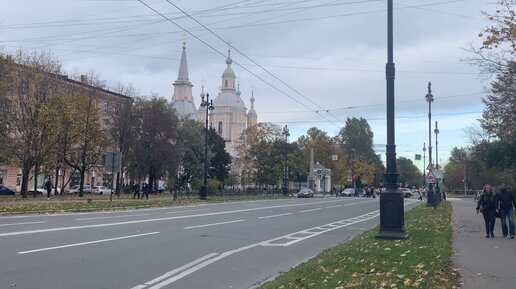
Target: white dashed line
85 243
213 224
273 216
316 209
111 217
25 223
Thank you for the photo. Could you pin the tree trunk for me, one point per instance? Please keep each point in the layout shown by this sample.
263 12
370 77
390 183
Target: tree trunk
25 179
36 172
81 185
56 180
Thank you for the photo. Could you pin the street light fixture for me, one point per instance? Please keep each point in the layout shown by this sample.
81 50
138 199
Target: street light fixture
209 106
430 200
392 219
285 133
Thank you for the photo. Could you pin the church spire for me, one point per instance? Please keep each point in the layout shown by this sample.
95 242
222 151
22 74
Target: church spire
183 67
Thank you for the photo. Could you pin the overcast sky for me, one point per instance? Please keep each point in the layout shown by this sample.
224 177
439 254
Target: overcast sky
331 54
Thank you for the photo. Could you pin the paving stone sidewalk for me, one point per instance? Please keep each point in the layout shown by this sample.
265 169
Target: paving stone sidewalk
484 263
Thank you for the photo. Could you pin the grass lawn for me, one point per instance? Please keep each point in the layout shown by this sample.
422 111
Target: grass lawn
422 261
73 203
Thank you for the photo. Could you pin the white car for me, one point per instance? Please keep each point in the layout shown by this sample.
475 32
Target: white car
40 190
101 190
75 189
349 192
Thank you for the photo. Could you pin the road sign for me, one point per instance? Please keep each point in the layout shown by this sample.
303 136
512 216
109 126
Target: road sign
430 178
430 167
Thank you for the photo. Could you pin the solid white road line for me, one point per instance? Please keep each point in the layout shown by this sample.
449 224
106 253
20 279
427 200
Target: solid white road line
85 243
175 271
187 211
158 219
111 217
316 209
213 224
273 216
336 206
25 223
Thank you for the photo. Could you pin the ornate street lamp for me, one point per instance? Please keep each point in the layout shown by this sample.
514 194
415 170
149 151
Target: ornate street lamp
209 106
430 200
424 164
392 219
437 188
286 134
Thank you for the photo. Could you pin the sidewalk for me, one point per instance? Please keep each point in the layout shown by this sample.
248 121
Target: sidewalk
483 263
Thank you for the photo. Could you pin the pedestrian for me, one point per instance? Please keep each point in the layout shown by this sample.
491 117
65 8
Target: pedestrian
136 191
161 188
145 190
505 205
48 187
420 195
487 206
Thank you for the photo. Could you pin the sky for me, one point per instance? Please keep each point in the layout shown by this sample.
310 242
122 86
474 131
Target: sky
308 62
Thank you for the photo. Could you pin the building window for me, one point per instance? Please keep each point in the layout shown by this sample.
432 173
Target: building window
220 128
106 107
226 82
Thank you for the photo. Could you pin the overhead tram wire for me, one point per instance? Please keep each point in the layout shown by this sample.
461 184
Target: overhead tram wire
263 68
222 54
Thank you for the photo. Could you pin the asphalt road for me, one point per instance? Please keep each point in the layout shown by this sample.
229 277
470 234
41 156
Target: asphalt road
229 245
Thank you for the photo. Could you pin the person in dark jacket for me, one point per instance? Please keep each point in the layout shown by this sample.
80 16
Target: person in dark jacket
48 187
506 204
487 205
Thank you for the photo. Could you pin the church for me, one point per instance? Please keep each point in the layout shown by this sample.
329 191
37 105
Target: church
230 117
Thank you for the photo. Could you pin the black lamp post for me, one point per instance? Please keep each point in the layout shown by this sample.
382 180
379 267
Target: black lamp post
209 106
424 164
437 188
285 133
430 200
392 219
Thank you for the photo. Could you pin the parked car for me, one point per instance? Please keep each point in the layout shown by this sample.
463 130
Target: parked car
40 190
305 193
101 190
407 193
349 192
75 189
6 191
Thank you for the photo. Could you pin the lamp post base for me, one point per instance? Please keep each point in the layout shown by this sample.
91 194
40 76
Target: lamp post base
204 192
391 217
430 198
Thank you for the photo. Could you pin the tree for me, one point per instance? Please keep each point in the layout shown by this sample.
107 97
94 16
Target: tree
155 137
87 135
409 174
190 152
253 157
30 82
220 162
357 135
121 130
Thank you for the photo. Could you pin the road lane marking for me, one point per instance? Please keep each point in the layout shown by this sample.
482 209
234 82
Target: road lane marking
289 237
111 217
202 265
349 204
273 216
187 211
336 206
175 271
85 243
24 223
214 224
316 209
157 219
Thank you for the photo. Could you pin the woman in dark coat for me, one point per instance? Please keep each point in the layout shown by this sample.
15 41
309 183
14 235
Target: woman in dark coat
487 206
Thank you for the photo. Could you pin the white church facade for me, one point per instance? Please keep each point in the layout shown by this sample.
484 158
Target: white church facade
230 116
